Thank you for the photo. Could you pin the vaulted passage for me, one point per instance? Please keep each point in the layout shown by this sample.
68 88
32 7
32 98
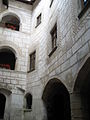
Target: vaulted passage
7 59
82 86
2 105
57 101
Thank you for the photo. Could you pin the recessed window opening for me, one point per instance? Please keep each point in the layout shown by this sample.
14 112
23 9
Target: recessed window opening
54 36
2 105
85 1
39 19
10 22
32 61
7 59
5 2
28 101
84 6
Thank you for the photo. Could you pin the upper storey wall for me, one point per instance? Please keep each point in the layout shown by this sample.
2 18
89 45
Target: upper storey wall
23 11
72 40
17 39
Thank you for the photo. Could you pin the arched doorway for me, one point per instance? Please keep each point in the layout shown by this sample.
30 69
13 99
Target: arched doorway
2 105
57 101
82 86
7 59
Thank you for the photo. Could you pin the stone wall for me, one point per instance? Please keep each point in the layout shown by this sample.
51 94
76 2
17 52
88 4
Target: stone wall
73 47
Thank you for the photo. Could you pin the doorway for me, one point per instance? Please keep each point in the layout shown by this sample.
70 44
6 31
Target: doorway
2 105
57 101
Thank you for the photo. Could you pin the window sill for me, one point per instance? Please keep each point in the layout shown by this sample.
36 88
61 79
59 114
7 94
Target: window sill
27 110
52 51
84 10
31 70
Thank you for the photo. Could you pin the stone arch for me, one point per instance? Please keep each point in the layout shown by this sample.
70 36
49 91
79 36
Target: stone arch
7 59
2 105
11 21
28 101
13 47
13 14
56 100
82 87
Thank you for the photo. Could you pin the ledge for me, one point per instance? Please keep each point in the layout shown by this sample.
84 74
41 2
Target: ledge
84 10
52 51
27 110
30 70
37 25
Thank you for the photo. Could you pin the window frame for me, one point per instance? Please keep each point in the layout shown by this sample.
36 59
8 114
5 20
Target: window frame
39 17
53 34
4 2
32 61
84 7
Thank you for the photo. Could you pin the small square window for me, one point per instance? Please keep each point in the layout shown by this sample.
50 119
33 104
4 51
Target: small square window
32 61
38 19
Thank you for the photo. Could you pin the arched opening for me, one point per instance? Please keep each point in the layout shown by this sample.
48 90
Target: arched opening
2 105
57 101
28 98
7 59
82 86
10 22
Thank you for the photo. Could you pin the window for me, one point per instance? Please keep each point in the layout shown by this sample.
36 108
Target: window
32 61
5 2
85 4
28 101
54 36
38 19
53 39
51 3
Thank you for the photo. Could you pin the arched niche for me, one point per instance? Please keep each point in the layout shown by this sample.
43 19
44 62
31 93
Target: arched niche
56 100
82 87
2 105
7 58
10 21
28 101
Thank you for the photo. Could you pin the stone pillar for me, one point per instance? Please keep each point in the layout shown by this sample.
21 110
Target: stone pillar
76 107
